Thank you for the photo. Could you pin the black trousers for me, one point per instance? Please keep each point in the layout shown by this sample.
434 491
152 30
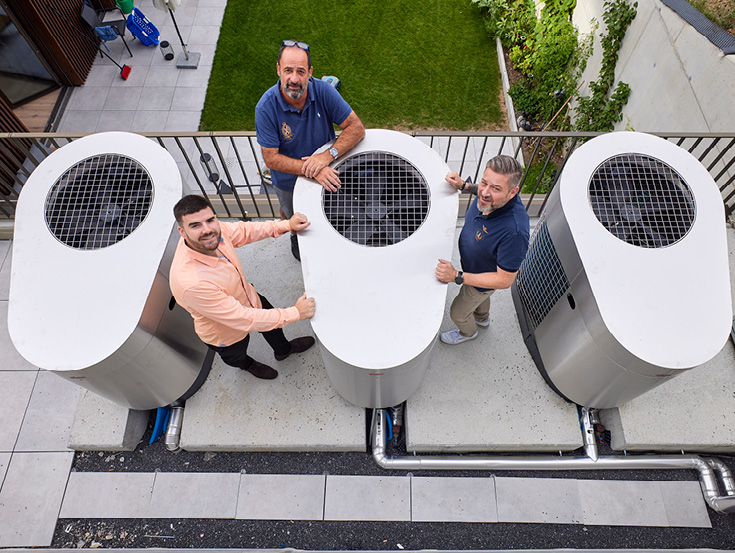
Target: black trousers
236 355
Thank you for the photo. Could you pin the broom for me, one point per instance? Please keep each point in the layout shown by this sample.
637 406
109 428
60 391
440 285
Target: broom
124 69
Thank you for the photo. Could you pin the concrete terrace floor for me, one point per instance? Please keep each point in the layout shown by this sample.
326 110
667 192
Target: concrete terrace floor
482 396
48 493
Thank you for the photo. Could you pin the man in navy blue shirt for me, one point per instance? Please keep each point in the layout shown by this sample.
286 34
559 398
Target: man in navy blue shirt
294 118
492 246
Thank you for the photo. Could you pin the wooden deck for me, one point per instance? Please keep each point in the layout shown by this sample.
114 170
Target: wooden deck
35 114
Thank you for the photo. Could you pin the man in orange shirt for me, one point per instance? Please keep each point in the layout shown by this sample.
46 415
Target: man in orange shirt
206 278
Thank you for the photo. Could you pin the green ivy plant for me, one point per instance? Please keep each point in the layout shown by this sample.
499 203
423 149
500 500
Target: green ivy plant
602 109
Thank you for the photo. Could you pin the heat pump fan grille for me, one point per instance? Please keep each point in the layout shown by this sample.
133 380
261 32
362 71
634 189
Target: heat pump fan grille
642 201
382 201
99 201
541 278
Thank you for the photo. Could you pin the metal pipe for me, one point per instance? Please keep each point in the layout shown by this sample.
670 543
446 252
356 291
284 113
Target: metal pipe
707 472
173 432
588 434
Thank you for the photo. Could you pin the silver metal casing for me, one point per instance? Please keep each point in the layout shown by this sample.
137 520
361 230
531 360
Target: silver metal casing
378 309
607 320
104 317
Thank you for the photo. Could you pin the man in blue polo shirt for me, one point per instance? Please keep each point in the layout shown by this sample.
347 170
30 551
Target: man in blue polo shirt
492 246
295 117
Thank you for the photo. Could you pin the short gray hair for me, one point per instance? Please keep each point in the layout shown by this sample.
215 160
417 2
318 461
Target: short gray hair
508 167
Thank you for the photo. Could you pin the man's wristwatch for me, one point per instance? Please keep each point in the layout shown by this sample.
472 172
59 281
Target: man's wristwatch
459 279
334 153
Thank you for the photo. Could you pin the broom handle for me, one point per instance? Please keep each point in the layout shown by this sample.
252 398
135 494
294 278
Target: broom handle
186 52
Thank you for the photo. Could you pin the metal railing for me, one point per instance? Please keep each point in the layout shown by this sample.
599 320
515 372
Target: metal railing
228 166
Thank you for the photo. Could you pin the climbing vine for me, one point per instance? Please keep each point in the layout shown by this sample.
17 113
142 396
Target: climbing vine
602 109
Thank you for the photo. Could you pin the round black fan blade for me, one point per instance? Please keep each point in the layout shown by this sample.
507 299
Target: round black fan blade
619 230
337 211
606 214
139 197
360 231
129 224
341 204
102 235
410 202
658 204
373 189
393 231
654 238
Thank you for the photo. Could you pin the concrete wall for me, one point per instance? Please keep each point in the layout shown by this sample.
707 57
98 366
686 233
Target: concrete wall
679 80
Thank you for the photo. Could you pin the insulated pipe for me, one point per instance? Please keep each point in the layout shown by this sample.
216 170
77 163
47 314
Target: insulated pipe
588 433
707 471
173 432
726 477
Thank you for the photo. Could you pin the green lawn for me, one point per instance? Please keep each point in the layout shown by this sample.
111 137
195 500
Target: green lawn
403 64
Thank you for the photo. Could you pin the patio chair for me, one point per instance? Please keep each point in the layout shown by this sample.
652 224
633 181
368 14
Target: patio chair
105 30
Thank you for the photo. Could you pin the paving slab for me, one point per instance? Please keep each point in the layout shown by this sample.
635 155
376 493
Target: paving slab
10 360
4 462
281 497
622 503
446 499
5 263
31 497
194 495
108 495
487 394
693 412
299 411
684 504
50 413
367 498
17 387
538 500
101 425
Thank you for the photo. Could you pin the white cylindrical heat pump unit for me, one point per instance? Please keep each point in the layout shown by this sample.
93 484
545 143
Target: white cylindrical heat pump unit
89 295
368 259
626 282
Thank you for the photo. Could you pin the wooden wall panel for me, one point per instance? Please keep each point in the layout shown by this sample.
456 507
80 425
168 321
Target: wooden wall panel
11 156
58 32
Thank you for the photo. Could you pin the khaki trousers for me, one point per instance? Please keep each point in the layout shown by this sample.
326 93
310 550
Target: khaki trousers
469 306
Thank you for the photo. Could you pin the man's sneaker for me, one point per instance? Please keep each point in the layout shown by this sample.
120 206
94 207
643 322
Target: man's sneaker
298 345
483 324
261 370
453 337
295 247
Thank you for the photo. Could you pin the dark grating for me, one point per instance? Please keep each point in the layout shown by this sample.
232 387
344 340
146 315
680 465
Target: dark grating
99 201
382 201
642 200
541 279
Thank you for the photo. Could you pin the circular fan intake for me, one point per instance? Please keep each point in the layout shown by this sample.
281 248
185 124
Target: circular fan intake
642 200
99 201
382 201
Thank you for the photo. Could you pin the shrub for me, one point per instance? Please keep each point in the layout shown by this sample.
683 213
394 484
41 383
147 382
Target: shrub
509 20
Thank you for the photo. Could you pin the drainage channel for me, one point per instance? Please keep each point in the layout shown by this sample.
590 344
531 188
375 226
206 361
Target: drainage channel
714 475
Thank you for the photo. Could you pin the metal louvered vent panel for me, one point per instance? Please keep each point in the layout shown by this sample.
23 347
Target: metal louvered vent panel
99 201
642 200
383 200
541 278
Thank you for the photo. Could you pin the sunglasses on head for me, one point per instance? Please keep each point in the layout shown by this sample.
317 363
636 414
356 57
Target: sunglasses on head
290 43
